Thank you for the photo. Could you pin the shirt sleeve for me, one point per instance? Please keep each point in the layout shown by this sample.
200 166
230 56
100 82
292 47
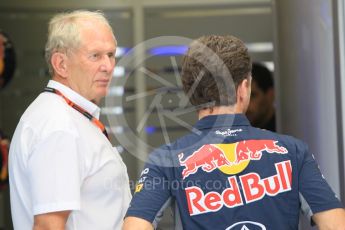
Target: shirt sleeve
314 189
54 174
152 194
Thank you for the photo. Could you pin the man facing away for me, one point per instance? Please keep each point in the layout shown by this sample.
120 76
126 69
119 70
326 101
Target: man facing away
64 172
227 174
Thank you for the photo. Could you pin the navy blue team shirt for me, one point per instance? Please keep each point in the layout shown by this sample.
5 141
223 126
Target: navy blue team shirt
227 174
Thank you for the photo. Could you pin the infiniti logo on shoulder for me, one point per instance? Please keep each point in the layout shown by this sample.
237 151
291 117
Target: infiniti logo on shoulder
247 225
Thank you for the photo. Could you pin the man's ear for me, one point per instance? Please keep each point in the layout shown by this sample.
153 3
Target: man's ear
243 89
243 96
59 63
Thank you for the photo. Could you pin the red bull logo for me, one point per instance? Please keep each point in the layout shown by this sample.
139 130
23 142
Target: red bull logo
208 158
229 158
254 188
252 149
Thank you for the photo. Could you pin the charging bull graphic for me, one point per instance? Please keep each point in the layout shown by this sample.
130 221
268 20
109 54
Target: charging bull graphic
252 149
209 156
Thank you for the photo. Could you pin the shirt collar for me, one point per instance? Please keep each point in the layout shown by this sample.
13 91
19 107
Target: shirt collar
223 120
90 107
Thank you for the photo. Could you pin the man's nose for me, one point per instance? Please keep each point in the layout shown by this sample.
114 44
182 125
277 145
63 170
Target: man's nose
108 63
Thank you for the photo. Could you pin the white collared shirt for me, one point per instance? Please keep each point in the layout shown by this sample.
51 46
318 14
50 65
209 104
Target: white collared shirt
90 107
59 160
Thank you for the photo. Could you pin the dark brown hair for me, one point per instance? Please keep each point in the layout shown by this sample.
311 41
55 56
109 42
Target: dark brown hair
262 76
213 68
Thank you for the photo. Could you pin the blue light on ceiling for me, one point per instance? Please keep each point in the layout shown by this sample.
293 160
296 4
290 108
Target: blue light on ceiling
169 50
150 129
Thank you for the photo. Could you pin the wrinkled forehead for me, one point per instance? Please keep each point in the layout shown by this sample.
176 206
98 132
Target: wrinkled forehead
100 40
95 24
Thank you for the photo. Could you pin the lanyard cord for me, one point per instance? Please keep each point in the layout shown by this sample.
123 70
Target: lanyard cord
94 120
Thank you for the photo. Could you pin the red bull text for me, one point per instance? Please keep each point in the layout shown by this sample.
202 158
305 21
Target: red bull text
253 186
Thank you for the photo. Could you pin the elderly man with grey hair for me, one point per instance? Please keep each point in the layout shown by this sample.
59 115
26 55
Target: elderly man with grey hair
61 162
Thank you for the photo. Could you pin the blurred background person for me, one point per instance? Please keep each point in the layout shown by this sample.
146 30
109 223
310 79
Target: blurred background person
261 110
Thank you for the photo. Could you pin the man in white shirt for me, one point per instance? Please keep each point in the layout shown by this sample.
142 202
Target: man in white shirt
64 172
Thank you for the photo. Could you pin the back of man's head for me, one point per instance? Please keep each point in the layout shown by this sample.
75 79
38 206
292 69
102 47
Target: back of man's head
262 76
213 68
64 31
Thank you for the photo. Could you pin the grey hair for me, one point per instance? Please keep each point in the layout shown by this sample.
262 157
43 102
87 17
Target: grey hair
64 34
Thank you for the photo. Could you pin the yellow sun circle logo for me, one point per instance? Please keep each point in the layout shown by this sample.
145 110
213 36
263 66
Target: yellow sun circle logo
230 153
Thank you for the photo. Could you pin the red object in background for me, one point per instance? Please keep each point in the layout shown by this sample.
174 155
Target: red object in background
7 60
4 146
